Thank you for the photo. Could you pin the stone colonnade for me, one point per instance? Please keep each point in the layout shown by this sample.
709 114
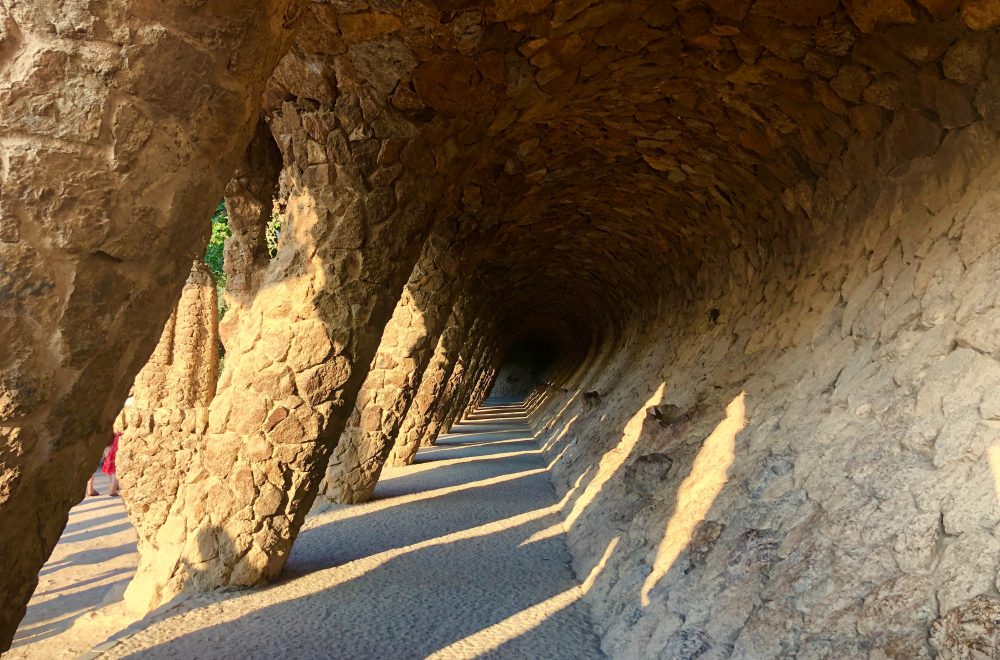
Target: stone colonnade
438 389
358 210
166 428
120 128
669 166
405 350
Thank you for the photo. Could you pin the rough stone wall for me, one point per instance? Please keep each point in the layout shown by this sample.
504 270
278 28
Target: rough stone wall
249 203
524 368
358 210
120 123
458 381
403 354
514 383
430 393
170 406
479 364
813 468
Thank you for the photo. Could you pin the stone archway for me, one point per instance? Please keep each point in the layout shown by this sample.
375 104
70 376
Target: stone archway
784 204
121 126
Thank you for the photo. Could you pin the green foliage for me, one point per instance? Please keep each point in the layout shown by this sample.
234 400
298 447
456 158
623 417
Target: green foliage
213 253
220 232
272 234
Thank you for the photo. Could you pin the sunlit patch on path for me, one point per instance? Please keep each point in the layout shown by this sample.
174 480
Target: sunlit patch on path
437 564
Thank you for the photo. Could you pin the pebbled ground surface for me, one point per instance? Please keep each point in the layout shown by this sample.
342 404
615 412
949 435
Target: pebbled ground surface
90 566
460 555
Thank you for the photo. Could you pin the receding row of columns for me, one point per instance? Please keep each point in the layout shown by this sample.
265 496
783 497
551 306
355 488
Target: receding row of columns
357 343
404 352
212 510
219 469
357 212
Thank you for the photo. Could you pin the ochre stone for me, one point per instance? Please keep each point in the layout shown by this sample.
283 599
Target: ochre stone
170 403
981 14
868 14
761 238
307 281
120 131
406 348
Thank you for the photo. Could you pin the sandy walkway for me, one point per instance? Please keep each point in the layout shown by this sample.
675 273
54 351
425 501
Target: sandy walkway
93 561
461 555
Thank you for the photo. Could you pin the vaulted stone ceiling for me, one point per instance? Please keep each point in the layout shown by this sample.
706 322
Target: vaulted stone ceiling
615 150
597 158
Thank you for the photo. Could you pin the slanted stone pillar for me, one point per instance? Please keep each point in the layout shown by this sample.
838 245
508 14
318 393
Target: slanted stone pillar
173 391
120 127
357 214
460 392
443 410
431 389
474 356
485 376
171 398
406 348
249 204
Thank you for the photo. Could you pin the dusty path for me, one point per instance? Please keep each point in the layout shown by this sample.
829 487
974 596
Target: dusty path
93 561
461 555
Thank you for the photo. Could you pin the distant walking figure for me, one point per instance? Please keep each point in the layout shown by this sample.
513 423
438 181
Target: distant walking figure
107 467
109 464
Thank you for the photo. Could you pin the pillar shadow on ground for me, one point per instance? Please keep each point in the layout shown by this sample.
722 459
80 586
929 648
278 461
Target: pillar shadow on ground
74 603
439 503
442 451
407 576
89 556
92 562
408 607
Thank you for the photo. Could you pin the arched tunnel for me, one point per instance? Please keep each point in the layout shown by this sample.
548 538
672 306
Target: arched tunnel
524 367
737 259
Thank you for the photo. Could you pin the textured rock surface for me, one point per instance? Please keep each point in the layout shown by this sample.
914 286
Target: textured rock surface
481 383
430 394
170 405
524 367
249 206
455 387
857 512
405 349
120 123
183 370
301 351
761 234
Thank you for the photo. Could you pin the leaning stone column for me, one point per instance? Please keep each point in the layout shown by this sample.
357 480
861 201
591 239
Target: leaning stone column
443 409
406 348
121 125
249 203
357 213
484 381
485 373
174 390
463 389
489 380
462 392
432 385
171 398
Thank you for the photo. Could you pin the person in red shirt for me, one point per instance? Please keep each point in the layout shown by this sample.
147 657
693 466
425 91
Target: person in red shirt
107 467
